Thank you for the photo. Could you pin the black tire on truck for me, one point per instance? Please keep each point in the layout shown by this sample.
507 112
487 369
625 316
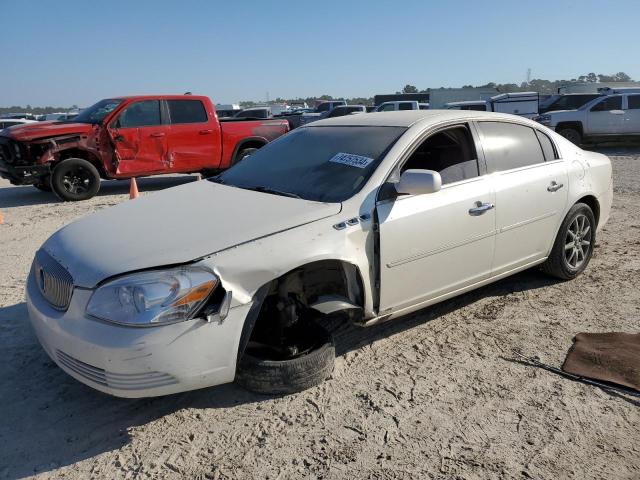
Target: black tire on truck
75 179
573 246
259 374
245 152
571 134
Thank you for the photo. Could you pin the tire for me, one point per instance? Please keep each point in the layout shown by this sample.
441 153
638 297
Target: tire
75 179
277 377
245 152
571 134
44 185
565 261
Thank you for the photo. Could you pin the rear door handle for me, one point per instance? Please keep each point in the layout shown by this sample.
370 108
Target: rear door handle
480 209
205 132
156 135
554 187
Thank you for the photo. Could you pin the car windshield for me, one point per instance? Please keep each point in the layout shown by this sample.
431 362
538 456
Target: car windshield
324 164
97 112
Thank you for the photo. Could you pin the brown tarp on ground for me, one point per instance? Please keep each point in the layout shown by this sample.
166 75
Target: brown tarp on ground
611 357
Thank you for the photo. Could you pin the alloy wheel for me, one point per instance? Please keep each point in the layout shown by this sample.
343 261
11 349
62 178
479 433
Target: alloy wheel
77 181
577 245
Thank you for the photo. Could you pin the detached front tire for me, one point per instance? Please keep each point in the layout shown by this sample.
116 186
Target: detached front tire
75 179
258 373
573 247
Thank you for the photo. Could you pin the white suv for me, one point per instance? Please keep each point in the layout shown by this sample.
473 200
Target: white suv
614 114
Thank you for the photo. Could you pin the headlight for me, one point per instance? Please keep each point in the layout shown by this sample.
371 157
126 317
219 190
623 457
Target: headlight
153 298
543 119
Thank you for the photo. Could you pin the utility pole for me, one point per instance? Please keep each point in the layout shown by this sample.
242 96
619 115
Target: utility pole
267 97
528 76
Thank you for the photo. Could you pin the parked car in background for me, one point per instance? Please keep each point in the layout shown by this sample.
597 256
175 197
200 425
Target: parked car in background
401 97
321 111
341 110
19 116
569 101
401 105
524 104
128 137
225 110
12 122
255 112
615 114
370 216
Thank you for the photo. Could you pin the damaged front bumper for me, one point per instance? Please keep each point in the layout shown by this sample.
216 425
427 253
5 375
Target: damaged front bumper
136 361
16 168
24 174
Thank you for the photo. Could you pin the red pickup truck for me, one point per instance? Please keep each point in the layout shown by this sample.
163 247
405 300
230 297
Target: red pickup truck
128 137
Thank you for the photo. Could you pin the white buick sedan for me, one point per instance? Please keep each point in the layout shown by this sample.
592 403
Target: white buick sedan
368 217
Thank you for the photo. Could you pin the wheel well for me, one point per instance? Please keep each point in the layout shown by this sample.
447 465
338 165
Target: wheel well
251 143
574 125
306 283
593 204
83 154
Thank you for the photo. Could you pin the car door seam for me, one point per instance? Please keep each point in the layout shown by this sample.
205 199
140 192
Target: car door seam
444 248
527 222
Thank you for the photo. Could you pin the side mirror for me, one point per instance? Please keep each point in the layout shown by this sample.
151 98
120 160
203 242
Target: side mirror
419 182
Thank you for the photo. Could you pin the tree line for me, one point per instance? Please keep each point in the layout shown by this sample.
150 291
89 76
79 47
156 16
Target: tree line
539 85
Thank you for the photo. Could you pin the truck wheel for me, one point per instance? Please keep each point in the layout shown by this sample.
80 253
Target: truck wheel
75 179
571 134
44 184
245 152
260 374
574 243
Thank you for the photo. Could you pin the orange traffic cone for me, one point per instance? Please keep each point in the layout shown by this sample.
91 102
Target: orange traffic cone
133 189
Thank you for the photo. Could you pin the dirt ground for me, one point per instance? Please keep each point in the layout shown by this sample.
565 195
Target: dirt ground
434 395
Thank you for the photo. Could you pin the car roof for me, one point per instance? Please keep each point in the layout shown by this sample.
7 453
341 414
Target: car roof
407 118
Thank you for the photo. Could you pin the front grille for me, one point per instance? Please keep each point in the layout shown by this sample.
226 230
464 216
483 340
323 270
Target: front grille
54 282
119 381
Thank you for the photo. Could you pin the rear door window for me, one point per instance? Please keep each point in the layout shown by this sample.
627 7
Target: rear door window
634 102
405 106
509 145
140 114
187 111
609 103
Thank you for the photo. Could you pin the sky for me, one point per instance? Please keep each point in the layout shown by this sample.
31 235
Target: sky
68 52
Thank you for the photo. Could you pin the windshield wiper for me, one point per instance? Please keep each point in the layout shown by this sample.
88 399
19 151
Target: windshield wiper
263 189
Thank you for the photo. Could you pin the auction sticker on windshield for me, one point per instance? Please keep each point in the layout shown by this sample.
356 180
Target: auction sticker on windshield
352 160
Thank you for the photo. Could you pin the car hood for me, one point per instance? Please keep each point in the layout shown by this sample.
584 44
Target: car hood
174 226
38 130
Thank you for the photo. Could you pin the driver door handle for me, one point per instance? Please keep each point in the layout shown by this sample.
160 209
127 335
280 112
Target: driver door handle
157 134
205 132
480 208
554 187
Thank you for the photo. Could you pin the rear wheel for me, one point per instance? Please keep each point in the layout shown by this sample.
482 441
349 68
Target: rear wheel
574 244
245 152
571 134
75 179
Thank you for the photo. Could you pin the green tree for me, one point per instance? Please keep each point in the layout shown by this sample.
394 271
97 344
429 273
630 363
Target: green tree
409 89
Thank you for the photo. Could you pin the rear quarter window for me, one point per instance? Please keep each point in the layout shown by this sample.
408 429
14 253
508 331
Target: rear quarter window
509 145
187 111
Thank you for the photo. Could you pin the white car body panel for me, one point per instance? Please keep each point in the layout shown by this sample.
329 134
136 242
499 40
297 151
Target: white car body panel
151 231
250 239
411 250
